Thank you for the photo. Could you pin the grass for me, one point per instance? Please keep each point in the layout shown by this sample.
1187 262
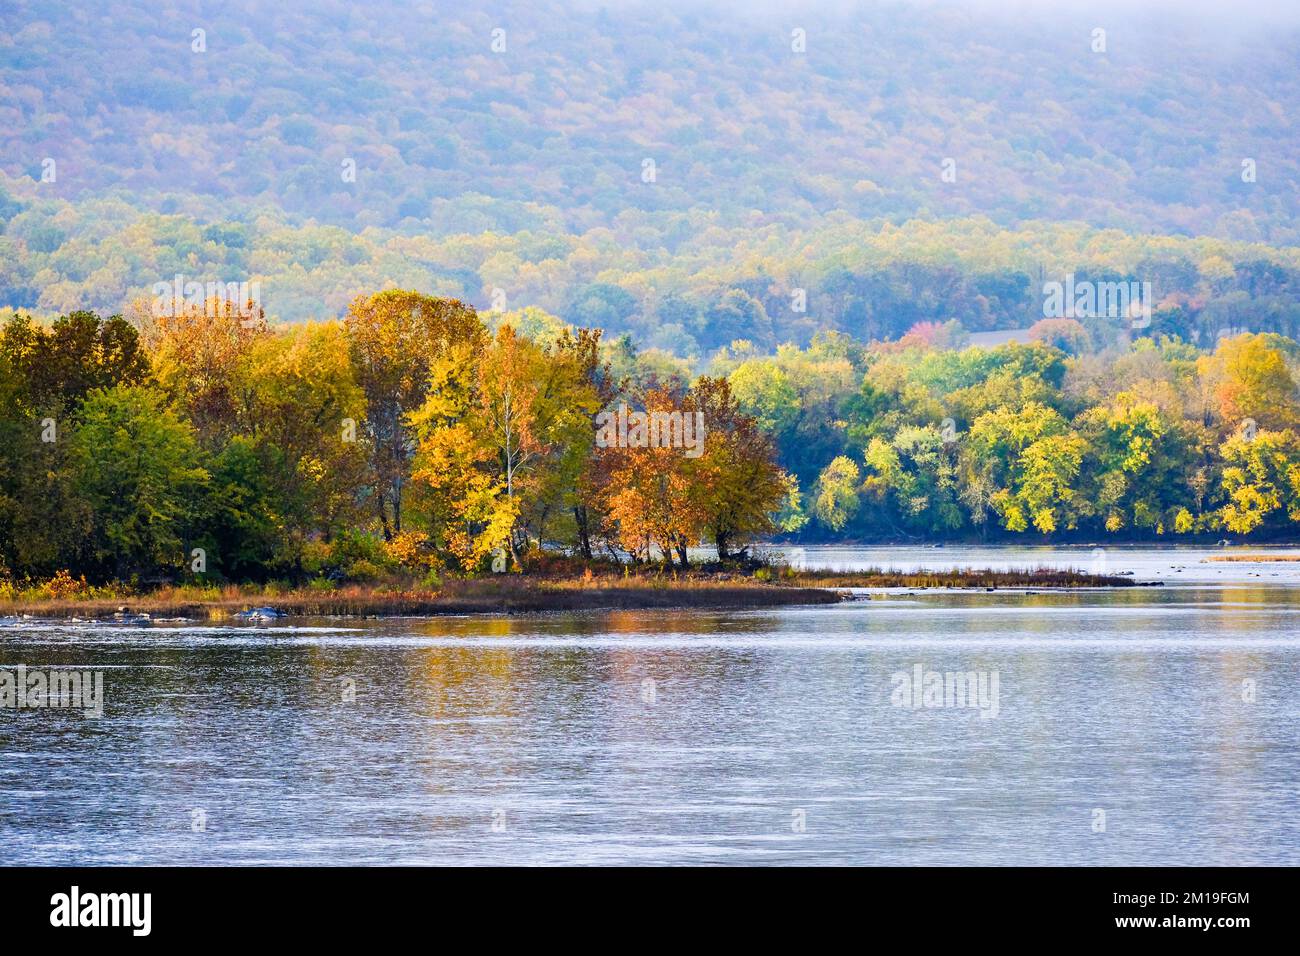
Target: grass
554 585
497 595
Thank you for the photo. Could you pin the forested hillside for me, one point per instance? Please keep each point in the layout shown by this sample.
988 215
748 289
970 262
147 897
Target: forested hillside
673 171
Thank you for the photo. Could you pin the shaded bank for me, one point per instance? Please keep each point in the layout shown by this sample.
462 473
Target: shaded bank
963 578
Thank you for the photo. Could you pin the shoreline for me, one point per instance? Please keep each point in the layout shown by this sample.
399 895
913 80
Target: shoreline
433 604
532 595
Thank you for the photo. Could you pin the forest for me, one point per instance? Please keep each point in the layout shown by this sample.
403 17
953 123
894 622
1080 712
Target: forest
796 178
407 440
415 439
538 116
824 233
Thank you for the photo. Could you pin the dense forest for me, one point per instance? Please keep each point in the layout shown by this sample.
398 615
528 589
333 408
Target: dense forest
409 439
413 439
827 233
506 117
683 176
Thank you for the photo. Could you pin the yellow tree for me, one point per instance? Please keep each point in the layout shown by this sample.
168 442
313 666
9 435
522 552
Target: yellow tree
394 339
502 434
1249 378
196 354
1261 475
303 406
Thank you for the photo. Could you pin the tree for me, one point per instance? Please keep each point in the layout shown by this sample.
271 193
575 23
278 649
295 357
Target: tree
654 496
835 497
303 411
137 466
394 338
1032 459
196 356
1068 335
79 353
44 376
1261 475
503 435
915 475
738 479
1249 378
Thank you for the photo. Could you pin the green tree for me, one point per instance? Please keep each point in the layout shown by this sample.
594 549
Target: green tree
137 467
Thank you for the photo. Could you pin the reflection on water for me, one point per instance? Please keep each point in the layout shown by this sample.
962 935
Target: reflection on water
676 737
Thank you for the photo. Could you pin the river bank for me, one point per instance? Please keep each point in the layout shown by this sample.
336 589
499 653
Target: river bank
516 594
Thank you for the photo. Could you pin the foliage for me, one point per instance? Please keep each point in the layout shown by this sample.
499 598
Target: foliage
410 441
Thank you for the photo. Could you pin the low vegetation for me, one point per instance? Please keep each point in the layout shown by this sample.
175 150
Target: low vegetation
563 584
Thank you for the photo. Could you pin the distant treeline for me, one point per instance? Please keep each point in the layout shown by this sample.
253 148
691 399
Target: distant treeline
919 440
678 282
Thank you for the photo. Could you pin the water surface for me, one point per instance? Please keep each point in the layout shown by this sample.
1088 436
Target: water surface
766 736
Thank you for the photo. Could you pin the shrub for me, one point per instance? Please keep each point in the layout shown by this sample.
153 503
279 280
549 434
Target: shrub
410 549
63 585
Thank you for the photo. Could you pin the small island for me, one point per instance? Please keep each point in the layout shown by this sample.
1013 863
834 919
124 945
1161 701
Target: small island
598 586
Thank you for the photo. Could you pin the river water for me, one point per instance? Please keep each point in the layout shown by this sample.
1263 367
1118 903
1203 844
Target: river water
1128 726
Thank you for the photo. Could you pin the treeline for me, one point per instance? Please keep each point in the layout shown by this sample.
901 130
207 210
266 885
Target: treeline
919 440
412 439
681 282
407 441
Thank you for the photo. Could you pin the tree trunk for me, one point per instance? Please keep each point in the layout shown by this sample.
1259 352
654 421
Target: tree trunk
584 535
721 537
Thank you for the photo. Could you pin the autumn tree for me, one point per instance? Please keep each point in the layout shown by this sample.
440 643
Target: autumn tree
1261 476
738 481
394 338
655 495
1249 378
835 498
304 411
502 438
196 355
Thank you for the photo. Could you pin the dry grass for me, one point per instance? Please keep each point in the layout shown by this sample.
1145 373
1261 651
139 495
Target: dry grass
558 590
495 595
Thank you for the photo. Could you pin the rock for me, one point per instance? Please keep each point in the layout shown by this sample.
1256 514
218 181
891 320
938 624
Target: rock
260 614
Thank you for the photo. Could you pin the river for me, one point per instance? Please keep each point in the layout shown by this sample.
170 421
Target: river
1127 726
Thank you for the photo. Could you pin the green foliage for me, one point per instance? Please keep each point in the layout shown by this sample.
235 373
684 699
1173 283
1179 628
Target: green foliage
138 469
1023 440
